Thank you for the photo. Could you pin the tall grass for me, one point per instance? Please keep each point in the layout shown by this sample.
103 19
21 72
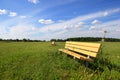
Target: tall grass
41 61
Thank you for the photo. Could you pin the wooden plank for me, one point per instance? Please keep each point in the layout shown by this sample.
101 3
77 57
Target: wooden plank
94 49
87 44
92 54
75 54
61 49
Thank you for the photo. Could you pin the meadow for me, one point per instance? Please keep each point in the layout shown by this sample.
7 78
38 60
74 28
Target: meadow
41 61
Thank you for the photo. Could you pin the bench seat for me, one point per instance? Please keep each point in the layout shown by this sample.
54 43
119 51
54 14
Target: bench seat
75 54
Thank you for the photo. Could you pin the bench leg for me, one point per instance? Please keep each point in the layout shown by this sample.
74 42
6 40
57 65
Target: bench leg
73 57
86 63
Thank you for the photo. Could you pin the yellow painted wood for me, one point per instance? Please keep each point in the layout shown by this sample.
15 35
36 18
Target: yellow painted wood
80 49
92 54
87 48
75 54
89 44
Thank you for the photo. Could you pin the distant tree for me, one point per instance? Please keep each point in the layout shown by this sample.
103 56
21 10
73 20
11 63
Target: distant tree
60 40
17 40
25 40
53 40
44 41
0 39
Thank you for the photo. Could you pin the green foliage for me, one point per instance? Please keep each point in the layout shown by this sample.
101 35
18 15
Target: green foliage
92 39
41 61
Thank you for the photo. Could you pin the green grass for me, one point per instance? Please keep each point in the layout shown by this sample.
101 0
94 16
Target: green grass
41 61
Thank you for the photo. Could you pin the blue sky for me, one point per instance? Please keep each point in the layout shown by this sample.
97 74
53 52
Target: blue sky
47 19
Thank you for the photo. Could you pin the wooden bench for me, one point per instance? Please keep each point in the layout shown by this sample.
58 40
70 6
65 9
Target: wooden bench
82 50
53 43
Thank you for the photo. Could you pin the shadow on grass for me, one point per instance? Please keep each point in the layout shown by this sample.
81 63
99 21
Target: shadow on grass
99 64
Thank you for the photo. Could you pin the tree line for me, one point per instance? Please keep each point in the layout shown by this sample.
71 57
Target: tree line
82 39
87 39
21 40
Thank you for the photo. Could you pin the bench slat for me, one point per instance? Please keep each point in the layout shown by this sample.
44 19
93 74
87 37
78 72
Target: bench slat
75 54
95 45
87 48
92 54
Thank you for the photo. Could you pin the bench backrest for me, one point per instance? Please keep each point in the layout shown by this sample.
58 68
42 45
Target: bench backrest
85 48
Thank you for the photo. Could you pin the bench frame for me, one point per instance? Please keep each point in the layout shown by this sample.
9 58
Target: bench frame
82 50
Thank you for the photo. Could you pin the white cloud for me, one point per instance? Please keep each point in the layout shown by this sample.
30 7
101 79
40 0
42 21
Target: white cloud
33 28
95 31
20 31
12 14
74 22
92 27
105 14
22 17
34 1
110 26
67 27
118 30
3 11
47 21
95 22
81 23
76 27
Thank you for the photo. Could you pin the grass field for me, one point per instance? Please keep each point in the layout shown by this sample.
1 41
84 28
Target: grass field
41 61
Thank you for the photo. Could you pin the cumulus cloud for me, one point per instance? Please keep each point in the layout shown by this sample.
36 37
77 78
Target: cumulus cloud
33 28
3 11
70 28
92 27
75 22
21 31
77 26
109 26
94 31
34 1
95 22
22 17
105 14
118 30
47 21
80 24
13 14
